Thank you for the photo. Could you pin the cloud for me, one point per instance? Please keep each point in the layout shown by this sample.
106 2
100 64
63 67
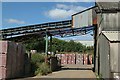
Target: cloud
15 21
62 11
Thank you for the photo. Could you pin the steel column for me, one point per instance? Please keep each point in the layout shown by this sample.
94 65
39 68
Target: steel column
51 43
95 46
46 44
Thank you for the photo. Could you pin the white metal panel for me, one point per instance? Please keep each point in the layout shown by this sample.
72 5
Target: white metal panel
83 19
114 57
112 35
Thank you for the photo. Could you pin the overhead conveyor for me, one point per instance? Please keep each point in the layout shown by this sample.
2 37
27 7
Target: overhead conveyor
61 28
25 30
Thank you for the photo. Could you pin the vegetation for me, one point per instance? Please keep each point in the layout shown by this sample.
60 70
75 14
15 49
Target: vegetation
35 44
71 46
38 64
43 69
99 77
57 45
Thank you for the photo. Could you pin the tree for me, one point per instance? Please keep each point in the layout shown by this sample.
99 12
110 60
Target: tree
35 44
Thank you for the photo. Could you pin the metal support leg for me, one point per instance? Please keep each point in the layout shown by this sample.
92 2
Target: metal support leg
51 44
46 45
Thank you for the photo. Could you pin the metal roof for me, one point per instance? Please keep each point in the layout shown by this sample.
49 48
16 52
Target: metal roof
108 5
112 35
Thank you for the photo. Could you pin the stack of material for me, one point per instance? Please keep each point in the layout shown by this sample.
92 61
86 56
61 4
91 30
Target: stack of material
82 59
73 58
12 60
69 59
90 59
63 58
85 59
79 59
6 59
20 59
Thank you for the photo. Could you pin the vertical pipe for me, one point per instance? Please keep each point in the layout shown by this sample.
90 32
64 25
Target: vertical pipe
46 44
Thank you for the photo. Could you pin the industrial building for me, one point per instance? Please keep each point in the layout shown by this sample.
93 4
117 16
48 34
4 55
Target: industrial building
103 19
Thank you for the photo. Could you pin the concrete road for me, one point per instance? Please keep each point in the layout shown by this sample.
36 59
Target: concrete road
69 72
73 71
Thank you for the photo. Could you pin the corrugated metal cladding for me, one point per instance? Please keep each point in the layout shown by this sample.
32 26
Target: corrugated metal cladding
112 35
84 19
114 57
108 5
109 21
108 51
114 49
104 56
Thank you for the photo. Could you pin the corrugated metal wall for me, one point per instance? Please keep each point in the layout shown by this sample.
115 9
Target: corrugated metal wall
107 51
84 19
114 57
104 53
109 21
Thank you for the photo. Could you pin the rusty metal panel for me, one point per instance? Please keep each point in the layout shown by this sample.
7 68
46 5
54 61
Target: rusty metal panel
83 19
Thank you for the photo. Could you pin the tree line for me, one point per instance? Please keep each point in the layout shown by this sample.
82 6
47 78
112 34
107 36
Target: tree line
57 45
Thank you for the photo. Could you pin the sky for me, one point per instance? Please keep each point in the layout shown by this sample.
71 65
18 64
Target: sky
17 14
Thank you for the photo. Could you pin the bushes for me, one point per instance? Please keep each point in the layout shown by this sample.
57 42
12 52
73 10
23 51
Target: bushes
38 64
43 69
37 58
